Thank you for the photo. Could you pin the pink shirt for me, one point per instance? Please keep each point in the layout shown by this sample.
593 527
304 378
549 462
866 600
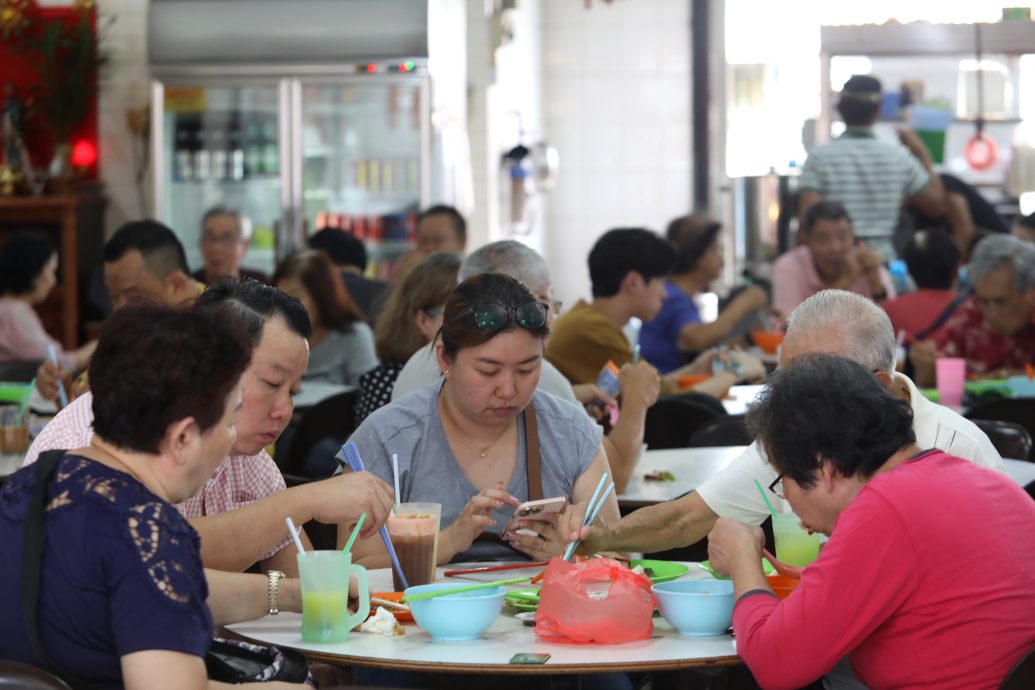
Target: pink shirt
238 481
795 280
915 312
928 581
22 336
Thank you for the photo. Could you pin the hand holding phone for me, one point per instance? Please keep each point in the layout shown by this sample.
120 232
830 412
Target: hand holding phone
541 511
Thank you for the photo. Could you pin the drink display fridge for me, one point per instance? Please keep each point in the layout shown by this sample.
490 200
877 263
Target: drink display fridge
308 141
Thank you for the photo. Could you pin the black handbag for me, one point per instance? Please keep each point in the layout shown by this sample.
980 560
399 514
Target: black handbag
228 661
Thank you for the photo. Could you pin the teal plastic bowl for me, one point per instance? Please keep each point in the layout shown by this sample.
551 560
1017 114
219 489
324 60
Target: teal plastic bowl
456 617
696 608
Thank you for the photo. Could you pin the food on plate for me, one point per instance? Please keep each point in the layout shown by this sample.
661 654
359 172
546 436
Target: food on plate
660 476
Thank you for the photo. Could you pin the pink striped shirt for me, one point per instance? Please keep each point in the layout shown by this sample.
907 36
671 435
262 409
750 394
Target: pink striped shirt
238 481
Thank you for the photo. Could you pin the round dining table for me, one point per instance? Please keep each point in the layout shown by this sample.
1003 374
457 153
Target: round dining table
415 651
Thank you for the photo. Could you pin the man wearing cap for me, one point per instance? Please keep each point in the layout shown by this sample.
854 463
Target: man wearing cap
871 178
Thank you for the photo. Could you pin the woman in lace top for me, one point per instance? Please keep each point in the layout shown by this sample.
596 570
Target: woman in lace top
122 599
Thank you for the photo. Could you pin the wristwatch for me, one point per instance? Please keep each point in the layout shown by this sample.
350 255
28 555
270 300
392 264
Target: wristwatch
274 590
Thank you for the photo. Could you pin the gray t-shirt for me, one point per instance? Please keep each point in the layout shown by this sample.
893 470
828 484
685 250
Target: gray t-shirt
411 427
343 356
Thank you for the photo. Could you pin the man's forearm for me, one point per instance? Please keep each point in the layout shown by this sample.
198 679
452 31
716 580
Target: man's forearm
235 539
667 525
625 441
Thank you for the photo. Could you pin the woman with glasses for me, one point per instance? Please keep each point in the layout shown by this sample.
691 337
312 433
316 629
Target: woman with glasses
464 441
341 348
677 333
928 578
412 315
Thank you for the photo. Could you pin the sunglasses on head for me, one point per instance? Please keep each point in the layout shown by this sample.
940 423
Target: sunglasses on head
492 315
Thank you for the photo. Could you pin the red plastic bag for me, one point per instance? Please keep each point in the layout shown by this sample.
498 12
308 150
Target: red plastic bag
596 601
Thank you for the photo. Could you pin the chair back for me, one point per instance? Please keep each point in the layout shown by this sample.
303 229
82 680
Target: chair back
333 418
722 431
673 419
1010 439
1021 676
14 674
1020 411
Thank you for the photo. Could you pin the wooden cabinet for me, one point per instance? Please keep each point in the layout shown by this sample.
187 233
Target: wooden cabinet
74 224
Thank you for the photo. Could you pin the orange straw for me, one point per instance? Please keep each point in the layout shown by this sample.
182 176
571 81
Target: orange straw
1028 369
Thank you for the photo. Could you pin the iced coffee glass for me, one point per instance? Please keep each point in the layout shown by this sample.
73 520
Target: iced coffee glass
414 531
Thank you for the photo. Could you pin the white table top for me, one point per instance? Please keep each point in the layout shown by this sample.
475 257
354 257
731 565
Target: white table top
691 467
1021 471
10 462
507 636
313 392
738 398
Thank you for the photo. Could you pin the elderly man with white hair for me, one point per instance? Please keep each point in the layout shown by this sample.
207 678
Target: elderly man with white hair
833 322
994 330
640 383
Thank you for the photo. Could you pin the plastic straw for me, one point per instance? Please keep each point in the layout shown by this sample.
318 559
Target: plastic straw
355 463
62 393
395 476
25 399
766 499
591 510
459 590
636 353
600 503
294 535
355 533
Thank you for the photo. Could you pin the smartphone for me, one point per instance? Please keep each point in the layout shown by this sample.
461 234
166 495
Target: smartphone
543 510
530 658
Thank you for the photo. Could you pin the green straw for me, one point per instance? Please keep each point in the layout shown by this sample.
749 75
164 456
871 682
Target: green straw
458 590
766 499
25 399
355 533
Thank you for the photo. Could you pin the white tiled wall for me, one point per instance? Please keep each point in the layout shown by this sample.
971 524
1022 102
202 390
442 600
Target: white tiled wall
124 86
616 104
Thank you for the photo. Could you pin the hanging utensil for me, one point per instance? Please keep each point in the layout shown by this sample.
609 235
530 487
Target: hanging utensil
981 150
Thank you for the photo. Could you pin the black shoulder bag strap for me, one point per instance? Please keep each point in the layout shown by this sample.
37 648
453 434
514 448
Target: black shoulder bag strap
32 557
942 318
533 472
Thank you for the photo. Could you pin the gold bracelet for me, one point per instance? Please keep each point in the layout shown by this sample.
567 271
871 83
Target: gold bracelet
273 594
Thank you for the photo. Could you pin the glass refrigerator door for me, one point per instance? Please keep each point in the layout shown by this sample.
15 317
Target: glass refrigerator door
221 146
362 149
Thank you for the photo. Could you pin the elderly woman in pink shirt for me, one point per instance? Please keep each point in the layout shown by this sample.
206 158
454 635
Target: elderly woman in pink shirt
28 265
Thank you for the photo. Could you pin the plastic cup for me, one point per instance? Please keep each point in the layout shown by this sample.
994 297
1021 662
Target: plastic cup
14 435
950 373
414 528
324 577
794 545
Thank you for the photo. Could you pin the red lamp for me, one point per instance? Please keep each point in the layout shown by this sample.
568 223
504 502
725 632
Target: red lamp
84 154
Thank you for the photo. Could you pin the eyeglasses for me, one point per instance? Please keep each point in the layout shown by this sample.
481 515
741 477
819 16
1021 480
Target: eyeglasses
777 486
554 304
489 316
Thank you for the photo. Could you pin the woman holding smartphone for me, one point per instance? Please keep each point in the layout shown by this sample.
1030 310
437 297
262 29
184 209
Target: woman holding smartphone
470 441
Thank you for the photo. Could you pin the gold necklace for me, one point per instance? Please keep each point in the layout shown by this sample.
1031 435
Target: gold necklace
483 450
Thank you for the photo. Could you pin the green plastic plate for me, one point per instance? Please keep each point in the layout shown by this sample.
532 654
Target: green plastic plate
767 567
661 571
524 599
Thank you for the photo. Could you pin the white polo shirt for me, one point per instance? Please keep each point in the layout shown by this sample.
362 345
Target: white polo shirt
732 493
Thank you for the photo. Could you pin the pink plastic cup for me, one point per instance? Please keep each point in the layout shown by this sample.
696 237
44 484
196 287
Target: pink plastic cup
950 373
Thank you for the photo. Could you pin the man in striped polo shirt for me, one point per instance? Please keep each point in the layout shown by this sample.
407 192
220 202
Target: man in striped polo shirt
871 178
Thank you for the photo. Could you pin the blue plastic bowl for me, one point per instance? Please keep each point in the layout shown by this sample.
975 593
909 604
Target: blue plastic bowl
696 607
456 617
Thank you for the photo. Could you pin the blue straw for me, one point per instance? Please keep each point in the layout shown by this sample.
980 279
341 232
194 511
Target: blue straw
591 512
356 465
62 393
600 504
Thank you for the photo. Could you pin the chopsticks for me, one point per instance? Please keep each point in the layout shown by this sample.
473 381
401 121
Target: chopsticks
494 568
592 510
389 604
355 463
459 590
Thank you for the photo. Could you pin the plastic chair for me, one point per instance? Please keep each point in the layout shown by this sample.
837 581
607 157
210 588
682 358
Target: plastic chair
673 419
1020 411
333 418
1021 676
1011 440
723 431
19 370
14 674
